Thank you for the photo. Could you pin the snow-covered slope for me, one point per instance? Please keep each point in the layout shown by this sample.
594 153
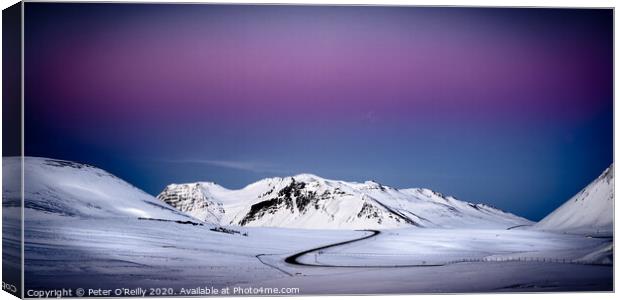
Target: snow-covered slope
309 201
588 212
62 188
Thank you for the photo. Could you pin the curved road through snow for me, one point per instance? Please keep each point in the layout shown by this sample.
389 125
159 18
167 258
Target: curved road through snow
294 259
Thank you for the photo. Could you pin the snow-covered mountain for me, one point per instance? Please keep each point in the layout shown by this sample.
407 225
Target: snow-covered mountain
309 201
588 212
63 188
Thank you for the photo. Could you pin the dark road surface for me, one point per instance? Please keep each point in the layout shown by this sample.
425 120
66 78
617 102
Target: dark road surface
293 259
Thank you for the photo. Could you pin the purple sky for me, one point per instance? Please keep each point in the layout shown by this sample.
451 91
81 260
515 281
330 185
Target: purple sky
511 107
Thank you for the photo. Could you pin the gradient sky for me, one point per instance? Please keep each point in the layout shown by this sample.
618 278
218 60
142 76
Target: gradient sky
510 107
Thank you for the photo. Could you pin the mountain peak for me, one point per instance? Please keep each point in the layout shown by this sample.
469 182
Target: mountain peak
307 177
608 174
310 201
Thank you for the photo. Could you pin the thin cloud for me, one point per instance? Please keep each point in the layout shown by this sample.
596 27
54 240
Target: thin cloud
252 166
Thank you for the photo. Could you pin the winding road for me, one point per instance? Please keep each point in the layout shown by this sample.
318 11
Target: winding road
293 259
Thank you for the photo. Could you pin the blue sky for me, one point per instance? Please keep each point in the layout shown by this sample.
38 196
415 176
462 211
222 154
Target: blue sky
509 107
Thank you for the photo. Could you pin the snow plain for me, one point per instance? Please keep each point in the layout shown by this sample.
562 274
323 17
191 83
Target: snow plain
142 253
